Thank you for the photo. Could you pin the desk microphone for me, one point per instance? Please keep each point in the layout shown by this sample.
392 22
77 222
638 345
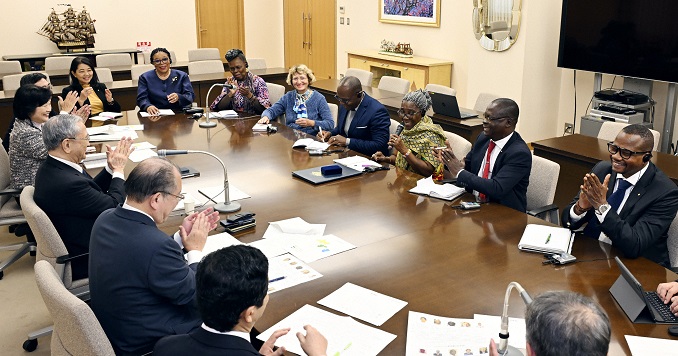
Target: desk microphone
503 348
207 123
227 206
399 130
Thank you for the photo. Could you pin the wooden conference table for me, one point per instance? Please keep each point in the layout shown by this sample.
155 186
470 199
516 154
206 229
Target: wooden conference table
467 128
440 260
577 154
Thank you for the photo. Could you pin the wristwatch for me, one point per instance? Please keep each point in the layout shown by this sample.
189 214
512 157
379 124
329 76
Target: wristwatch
602 209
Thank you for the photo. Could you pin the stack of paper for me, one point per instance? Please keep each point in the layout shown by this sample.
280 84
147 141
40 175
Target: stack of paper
358 163
106 115
224 114
110 133
260 127
344 335
546 239
311 144
427 186
95 160
161 112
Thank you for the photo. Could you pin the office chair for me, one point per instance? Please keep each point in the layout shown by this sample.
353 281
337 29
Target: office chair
138 69
204 54
76 329
672 244
542 189
483 101
10 67
13 81
394 84
610 129
113 60
365 76
59 63
460 146
275 92
105 76
334 109
51 249
10 214
205 67
256 63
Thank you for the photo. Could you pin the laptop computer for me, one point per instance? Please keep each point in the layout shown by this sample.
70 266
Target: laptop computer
313 175
639 305
447 105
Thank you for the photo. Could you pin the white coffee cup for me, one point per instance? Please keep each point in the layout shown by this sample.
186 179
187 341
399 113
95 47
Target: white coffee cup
189 204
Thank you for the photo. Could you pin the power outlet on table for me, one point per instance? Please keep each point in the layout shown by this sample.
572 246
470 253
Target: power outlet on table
568 128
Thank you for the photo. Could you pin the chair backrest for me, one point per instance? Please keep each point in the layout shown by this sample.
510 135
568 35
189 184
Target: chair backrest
672 242
105 75
50 245
256 63
365 76
275 92
483 101
543 181
147 57
460 146
437 88
114 60
205 67
610 129
203 54
76 329
10 67
394 84
334 109
13 81
139 69
58 63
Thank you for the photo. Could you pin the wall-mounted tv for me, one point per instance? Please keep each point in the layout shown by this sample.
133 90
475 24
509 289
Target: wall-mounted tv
634 38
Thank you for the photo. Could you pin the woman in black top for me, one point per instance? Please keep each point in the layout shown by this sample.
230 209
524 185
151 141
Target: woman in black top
85 82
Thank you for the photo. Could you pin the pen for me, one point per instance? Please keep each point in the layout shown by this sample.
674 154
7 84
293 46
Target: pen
276 279
322 137
548 239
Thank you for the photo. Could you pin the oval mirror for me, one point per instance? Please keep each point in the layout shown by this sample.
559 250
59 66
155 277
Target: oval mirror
496 23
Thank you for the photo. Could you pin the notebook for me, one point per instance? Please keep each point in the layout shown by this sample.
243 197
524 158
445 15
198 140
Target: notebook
426 186
313 175
546 239
447 105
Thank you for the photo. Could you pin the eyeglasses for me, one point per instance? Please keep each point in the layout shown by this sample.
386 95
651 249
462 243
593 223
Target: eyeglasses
345 101
180 196
623 152
490 118
86 138
158 61
410 114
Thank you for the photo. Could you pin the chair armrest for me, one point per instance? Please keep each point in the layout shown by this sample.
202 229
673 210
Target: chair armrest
543 209
67 258
10 191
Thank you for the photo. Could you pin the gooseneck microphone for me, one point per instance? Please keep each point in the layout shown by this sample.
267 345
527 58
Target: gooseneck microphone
503 348
399 130
227 206
207 123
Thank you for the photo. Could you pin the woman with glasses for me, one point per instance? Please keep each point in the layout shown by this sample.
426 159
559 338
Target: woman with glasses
163 87
85 82
305 109
243 91
32 107
413 148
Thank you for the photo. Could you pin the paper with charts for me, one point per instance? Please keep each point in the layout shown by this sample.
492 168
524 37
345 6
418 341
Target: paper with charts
647 346
313 248
286 271
436 335
345 336
362 303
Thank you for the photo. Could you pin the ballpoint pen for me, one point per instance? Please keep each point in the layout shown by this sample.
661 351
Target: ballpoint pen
548 239
322 136
276 279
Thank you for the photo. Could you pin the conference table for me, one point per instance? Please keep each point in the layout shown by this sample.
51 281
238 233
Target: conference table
439 259
466 128
577 154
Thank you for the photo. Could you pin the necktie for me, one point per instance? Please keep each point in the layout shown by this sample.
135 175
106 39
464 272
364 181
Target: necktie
615 200
486 169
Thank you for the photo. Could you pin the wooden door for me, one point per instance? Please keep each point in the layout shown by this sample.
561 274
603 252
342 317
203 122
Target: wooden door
296 32
322 46
220 24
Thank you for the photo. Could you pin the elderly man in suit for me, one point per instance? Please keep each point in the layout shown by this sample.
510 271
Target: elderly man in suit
70 197
363 122
627 201
497 169
142 288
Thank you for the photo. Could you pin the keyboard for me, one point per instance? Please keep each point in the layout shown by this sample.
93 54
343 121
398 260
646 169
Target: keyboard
663 310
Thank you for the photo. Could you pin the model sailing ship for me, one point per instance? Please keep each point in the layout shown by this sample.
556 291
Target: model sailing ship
70 30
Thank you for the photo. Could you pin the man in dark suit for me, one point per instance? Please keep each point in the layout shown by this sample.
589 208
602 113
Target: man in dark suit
232 287
69 196
363 123
141 287
497 169
634 204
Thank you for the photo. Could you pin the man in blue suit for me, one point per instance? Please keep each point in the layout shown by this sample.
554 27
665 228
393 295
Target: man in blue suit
363 122
498 167
141 287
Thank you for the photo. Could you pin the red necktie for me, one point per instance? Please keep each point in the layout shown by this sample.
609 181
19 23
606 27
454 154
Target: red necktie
486 169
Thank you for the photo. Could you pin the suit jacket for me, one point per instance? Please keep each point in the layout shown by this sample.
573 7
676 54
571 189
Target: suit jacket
369 128
205 343
510 174
100 90
72 201
640 229
141 287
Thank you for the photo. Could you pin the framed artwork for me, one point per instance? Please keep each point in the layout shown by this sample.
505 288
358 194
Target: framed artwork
410 12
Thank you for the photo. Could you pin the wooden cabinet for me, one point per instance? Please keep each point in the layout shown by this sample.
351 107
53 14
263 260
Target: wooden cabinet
418 70
310 35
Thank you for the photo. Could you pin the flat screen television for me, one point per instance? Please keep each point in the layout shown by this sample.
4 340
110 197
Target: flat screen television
634 38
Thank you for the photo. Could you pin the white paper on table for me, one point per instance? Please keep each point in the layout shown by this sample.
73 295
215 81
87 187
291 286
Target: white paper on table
197 198
446 191
641 346
517 329
292 269
440 335
140 155
314 248
362 303
344 335
219 241
270 247
223 114
143 145
358 163
260 127
109 115
139 127
113 136
311 144
95 160
296 226
217 193
161 112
